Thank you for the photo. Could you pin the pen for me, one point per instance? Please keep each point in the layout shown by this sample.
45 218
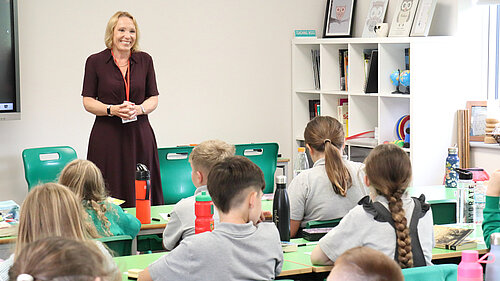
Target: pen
156 219
307 244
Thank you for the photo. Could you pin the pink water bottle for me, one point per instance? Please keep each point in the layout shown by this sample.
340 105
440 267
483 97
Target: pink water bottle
469 268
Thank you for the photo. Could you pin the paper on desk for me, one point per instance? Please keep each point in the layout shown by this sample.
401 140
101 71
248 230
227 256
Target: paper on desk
165 216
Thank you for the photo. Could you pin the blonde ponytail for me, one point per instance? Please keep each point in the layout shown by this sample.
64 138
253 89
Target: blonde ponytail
336 170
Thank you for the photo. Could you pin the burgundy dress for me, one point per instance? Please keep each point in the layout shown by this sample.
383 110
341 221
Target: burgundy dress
115 147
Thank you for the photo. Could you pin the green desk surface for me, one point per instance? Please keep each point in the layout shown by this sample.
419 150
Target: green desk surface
434 194
142 261
155 213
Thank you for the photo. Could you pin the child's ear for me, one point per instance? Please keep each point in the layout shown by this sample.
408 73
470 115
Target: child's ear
311 151
367 181
253 199
199 176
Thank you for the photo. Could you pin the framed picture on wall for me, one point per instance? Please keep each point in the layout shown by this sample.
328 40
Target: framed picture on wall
338 18
376 15
423 18
403 18
477 119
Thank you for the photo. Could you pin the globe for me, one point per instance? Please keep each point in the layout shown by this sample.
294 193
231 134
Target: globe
395 78
404 78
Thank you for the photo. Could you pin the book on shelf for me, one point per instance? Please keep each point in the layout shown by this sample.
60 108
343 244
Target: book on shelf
342 69
346 72
407 58
343 114
446 237
367 54
315 65
371 85
314 108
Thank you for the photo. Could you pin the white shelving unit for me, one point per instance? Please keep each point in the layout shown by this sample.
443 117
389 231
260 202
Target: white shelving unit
431 105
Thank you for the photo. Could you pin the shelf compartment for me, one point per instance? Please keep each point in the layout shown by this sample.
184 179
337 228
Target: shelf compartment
390 110
330 65
391 58
356 79
302 66
363 111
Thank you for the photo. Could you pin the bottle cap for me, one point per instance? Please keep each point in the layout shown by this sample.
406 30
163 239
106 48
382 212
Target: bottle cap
464 174
141 172
452 150
203 197
301 149
280 179
495 239
470 256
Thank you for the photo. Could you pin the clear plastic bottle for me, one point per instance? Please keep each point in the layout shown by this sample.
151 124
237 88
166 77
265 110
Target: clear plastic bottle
301 162
479 201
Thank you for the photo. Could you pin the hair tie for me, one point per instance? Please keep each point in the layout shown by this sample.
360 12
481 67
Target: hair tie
327 140
24 277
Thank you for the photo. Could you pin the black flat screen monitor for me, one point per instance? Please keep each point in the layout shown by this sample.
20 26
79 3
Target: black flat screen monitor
9 61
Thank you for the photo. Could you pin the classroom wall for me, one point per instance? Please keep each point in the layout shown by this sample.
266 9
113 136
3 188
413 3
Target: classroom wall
223 70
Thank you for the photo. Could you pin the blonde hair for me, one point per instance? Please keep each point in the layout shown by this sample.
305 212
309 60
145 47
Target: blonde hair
51 209
110 28
326 134
63 259
388 169
208 153
85 179
356 264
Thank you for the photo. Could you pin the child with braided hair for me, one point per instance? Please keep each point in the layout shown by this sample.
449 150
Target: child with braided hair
85 179
388 220
333 186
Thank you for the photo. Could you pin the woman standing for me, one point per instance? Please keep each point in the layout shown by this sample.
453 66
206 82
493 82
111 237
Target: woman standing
119 87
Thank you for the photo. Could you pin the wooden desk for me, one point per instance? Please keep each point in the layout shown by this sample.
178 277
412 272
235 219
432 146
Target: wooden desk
143 261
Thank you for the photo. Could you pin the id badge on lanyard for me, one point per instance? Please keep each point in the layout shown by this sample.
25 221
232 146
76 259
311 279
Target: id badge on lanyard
127 87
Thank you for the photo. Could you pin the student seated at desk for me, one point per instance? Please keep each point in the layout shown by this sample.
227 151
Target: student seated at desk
491 212
363 264
390 222
50 210
85 179
203 157
333 186
57 258
241 247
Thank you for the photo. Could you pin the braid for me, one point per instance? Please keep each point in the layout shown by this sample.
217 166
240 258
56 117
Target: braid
100 210
405 256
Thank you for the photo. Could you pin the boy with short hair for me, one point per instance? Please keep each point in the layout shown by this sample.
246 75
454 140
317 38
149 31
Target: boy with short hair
240 247
203 157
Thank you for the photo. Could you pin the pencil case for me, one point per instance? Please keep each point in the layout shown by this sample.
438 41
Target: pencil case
314 234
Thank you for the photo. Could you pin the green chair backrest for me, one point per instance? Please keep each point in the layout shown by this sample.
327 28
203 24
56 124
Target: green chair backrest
43 164
441 272
327 223
121 245
264 155
444 213
175 173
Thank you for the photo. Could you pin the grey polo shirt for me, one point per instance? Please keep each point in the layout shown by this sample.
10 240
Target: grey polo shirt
181 222
229 252
312 197
359 228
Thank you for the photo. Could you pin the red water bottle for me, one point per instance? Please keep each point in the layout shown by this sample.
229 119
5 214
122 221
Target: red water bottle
204 211
142 194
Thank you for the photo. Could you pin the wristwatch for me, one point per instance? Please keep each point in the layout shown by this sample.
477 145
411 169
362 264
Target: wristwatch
108 110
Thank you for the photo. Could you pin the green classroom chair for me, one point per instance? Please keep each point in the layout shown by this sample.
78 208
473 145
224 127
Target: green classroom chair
150 243
264 155
43 164
121 245
175 173
441 272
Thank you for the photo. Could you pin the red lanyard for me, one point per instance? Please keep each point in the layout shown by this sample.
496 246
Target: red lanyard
126 81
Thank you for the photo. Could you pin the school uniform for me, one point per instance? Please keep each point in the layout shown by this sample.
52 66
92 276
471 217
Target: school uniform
121 223
229 252
312 196
181 222
491 221
8 263
361 228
